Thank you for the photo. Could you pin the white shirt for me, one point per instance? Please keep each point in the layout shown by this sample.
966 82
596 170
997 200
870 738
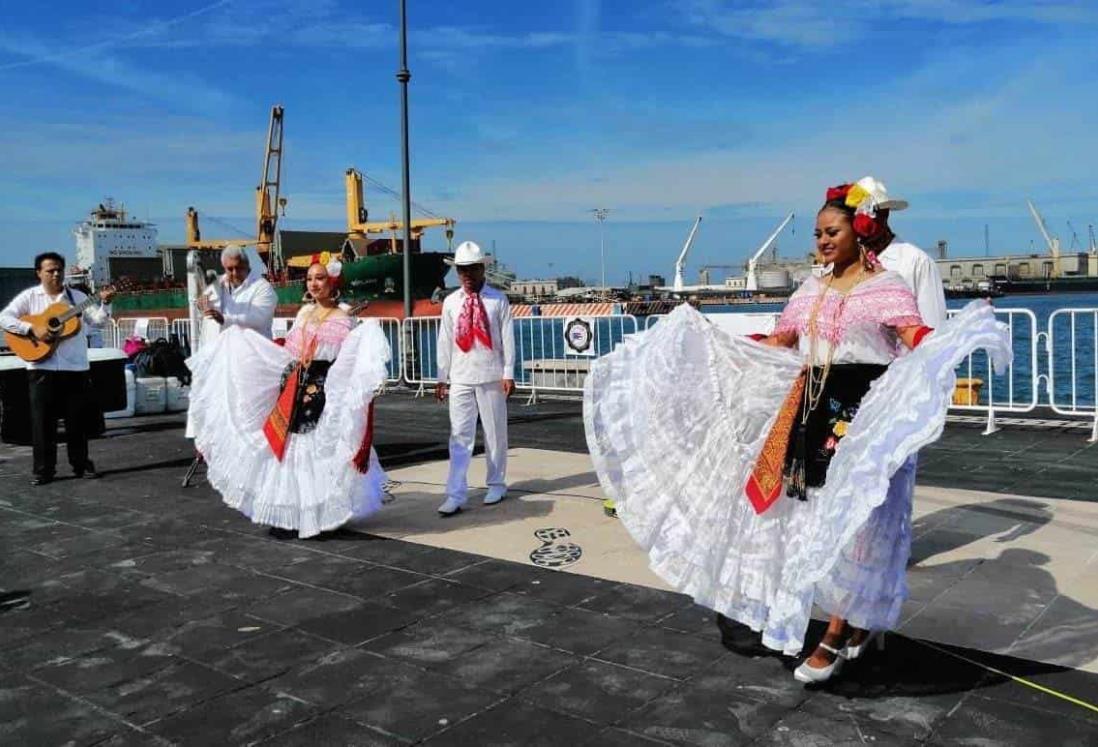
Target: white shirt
251 304
921 274
71 353
480 365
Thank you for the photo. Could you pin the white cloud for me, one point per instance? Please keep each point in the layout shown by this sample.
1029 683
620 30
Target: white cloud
992 143
812 24
102 66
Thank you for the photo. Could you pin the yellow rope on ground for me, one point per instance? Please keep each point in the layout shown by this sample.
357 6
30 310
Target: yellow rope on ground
1015 678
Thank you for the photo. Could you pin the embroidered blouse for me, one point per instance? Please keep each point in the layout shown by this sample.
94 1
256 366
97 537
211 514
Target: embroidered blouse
860 326
329 333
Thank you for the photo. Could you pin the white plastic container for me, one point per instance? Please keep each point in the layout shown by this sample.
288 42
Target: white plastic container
179 395
151 395
131 398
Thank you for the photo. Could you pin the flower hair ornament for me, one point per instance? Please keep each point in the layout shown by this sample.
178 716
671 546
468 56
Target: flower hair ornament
855 197
865 223
332 266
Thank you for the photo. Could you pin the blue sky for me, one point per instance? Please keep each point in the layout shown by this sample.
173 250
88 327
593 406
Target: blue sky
526 115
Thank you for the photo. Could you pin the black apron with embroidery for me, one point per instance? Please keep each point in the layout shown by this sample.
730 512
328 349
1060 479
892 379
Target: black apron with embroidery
309 403
813 443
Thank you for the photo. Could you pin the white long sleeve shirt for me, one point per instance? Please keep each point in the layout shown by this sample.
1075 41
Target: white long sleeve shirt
921 275
251 304
71 353
480 365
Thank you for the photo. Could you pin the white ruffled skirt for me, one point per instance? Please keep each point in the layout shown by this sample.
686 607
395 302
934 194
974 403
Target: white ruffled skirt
675 420
316 487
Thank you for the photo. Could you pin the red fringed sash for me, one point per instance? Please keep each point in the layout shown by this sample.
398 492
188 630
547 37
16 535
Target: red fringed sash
277 427
362 456
765 484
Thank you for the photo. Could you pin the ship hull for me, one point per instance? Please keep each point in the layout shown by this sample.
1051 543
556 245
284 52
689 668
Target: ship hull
378 279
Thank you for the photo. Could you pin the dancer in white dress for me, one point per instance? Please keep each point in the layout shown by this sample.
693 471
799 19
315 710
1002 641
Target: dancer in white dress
287 431
697 435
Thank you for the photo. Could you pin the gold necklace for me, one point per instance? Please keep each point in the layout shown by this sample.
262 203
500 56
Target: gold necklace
319 314
814 382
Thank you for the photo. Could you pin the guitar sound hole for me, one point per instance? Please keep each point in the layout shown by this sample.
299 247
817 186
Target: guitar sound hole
53 325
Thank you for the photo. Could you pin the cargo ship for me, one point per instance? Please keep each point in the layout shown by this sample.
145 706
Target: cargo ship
372 255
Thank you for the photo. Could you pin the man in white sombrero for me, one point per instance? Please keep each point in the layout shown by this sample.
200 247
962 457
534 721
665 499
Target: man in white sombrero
918 270
476 363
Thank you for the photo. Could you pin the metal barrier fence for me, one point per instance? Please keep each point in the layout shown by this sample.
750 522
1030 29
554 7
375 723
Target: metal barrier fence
545 361
1014 390
553 357
391 327
419 354
1071 345
1064 381
1056 366
281 326
115 333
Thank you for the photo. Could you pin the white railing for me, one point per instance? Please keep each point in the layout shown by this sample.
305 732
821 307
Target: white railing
181 328
148 328
543 359
281 326
1072 378
1056 366
418 348
391 327
548 362
1014 390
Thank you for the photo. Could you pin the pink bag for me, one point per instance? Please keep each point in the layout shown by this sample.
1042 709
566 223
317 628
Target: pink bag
133 345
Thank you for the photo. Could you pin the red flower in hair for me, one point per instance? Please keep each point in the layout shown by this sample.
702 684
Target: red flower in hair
865 226
837 193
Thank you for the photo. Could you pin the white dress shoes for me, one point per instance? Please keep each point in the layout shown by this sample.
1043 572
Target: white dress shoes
449 507
850 653
812 675
494 496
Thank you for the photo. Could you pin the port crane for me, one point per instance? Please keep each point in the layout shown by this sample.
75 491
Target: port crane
1053 242
1074 238
267 200
680 263
1093 249
359 225
752 264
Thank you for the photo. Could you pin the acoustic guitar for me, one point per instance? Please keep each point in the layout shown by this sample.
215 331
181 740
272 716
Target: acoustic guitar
61 320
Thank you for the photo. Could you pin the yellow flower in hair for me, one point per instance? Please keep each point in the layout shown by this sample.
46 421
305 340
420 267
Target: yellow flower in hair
324 258
840 428
856 196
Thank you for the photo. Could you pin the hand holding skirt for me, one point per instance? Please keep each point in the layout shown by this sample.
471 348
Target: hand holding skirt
676 418
316 487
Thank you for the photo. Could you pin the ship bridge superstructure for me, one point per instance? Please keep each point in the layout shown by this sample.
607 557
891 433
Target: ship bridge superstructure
111 244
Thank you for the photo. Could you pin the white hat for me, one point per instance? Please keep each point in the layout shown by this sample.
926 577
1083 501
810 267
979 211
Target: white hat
469 253
878 194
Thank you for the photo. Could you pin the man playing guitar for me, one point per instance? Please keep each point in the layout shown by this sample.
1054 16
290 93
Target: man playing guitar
59 382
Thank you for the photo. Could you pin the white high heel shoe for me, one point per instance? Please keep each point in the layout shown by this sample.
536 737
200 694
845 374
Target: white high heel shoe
850 653
812 675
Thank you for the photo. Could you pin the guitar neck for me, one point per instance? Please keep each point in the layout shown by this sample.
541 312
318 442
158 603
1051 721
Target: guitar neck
78 308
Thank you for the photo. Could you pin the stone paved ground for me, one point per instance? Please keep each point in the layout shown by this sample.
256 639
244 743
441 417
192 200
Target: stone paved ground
158 616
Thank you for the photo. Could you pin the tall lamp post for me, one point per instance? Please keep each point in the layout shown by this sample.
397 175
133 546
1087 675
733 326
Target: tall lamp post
404 75
600 215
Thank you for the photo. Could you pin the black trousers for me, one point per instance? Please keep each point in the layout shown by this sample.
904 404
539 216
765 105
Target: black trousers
53 395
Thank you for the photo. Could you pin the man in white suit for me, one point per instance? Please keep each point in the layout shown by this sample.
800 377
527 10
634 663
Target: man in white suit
476 363
915 266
